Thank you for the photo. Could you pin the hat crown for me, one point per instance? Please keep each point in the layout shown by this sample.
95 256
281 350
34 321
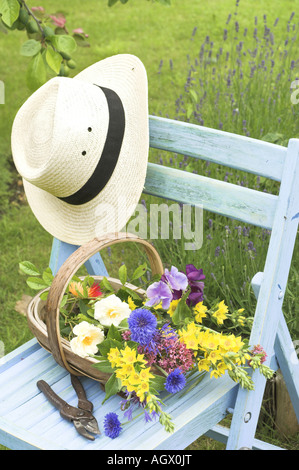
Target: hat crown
67 122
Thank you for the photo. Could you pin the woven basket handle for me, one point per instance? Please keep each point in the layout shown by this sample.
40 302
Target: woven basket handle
69 269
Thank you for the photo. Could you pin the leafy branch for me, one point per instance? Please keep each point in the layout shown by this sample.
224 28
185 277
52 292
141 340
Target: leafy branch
49 46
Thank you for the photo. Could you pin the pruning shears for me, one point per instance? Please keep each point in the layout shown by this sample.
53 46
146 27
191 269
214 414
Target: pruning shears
81 416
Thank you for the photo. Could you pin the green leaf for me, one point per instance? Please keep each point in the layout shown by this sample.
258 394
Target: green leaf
104 366
64 301
113 333
64 43
122 273
28 268
81 40
36 283
182 311
48 276
83 307
106 284
112 2
53 59
44 295
107 344
158 382
83 317
139 272
30 48
36 72
194 96
124 323
189 110
113 385
9 9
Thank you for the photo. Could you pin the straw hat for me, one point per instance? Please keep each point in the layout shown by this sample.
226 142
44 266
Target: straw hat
81 146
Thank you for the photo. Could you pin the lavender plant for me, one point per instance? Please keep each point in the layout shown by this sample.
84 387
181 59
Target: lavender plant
244 85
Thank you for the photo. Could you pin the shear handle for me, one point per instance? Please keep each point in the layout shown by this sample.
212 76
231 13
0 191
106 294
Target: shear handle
67 411
83 403
53 398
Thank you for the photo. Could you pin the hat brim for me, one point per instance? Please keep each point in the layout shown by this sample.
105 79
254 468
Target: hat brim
111 209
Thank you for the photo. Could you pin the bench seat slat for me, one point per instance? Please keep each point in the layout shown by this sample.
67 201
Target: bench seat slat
237 202
39 425
235 151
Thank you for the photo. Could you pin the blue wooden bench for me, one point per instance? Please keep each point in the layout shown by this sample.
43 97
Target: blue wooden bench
28 421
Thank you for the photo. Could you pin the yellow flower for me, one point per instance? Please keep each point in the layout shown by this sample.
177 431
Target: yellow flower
200 311
172 307
142 390
209 340
140 359
215 373
190 341
227 342
220 312
159 306
114 357
221 367
190 336
131 303
134 378
120 374
238 344
129 355
128 369
214 356
145 374
203 364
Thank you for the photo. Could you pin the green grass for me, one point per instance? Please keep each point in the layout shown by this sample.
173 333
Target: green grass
162 38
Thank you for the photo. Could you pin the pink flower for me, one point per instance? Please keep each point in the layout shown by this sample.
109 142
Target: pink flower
258 350
58 20
78 31
41 9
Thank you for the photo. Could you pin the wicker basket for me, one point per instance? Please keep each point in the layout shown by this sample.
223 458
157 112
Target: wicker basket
43 317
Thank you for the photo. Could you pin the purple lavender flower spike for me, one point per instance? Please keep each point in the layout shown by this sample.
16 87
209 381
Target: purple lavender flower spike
158 292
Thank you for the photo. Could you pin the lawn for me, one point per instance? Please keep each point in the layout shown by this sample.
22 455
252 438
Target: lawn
178 46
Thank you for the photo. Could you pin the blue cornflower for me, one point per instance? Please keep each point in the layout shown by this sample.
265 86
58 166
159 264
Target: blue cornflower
142 324
112 425
175 381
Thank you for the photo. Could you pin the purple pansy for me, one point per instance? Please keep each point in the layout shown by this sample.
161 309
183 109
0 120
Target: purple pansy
176 279
159 292
195 278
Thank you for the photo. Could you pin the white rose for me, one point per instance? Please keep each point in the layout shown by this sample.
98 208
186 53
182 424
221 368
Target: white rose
111 310
87 338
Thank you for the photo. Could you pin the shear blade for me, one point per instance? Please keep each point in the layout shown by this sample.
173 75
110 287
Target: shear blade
91 425
82 430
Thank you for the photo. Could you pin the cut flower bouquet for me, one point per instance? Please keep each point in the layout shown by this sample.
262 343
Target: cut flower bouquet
158 341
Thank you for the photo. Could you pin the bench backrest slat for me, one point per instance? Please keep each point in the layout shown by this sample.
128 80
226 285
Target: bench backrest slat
234 201
231 150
